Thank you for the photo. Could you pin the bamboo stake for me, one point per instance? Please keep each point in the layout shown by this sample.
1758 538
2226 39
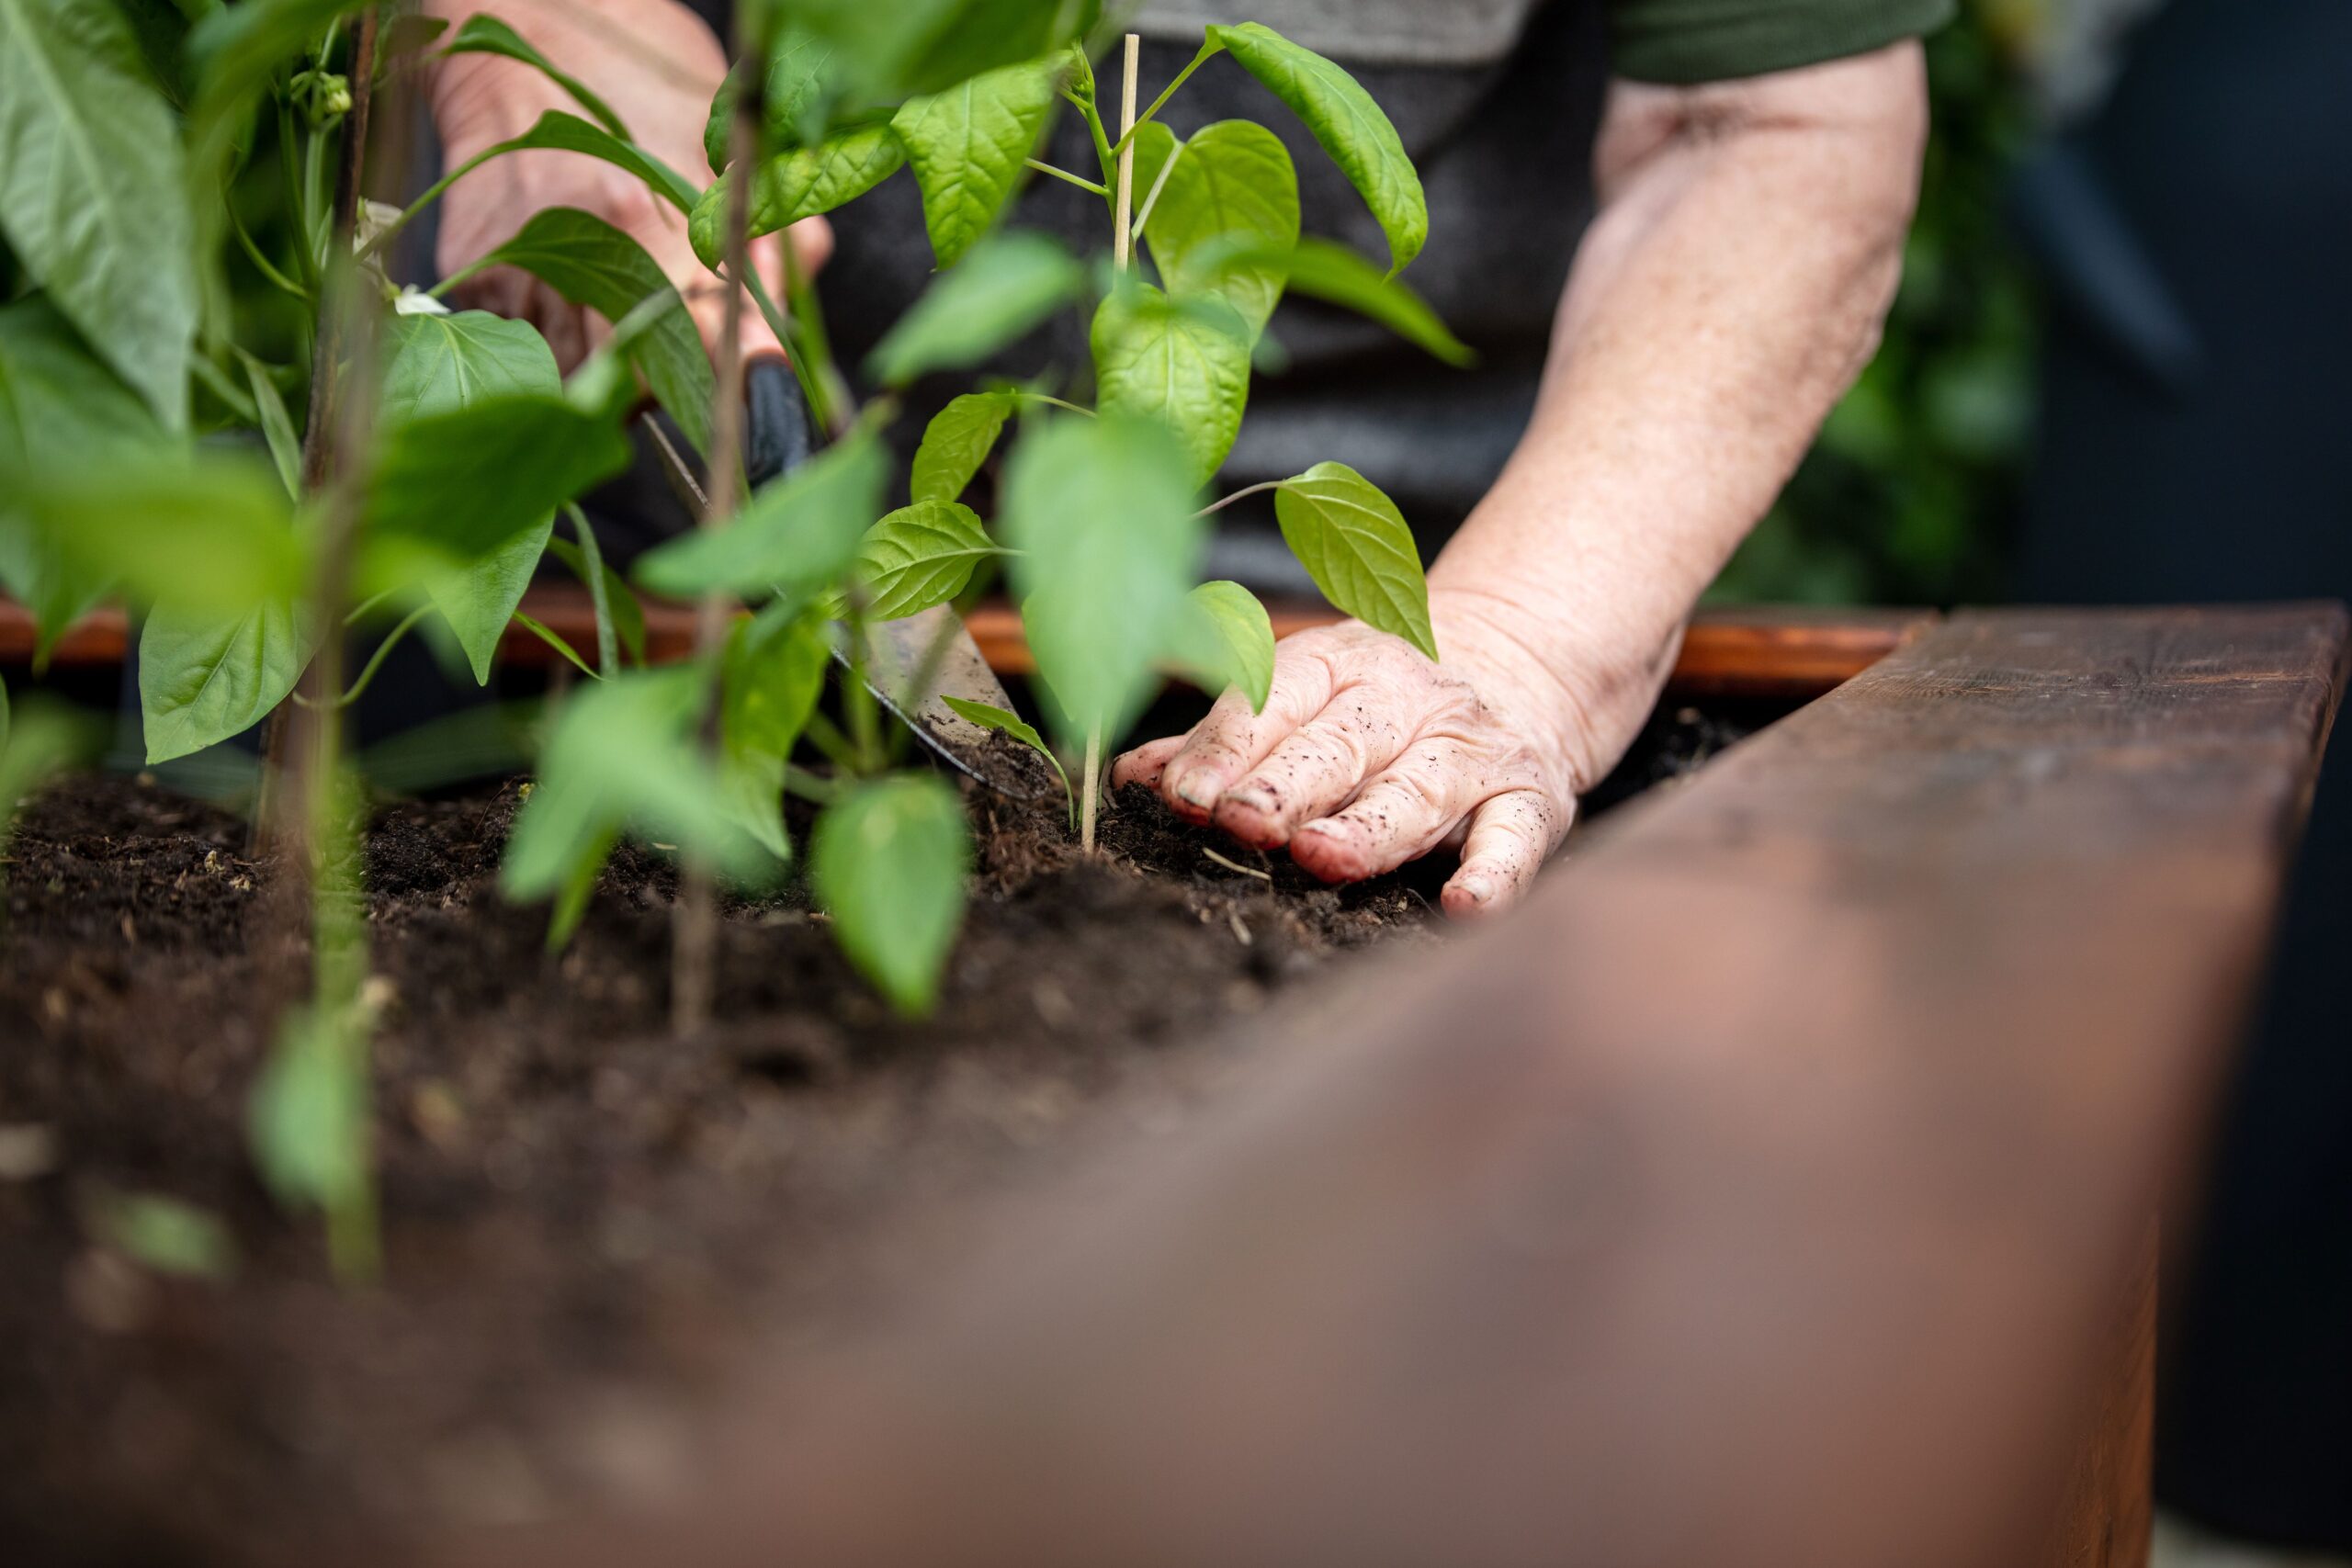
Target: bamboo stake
1121 255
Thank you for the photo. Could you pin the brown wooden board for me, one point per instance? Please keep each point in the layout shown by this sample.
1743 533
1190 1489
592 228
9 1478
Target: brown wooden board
1762 1194
1767 651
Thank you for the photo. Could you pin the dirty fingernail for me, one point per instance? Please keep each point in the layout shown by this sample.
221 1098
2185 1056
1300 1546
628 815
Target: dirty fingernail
1477 888
1191 791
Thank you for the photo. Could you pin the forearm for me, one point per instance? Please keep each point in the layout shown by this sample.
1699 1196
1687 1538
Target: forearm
1748 245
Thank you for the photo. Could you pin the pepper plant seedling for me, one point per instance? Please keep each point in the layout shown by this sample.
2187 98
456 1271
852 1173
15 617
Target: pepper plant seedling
1098 517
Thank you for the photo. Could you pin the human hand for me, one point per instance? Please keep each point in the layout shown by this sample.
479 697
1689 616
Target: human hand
659 65
1369 754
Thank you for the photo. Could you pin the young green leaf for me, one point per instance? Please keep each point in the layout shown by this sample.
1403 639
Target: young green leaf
989 716
897 50
1326 271
443 364
454 490
597 267
798 534
1357 547
210 529
888 862
1350 127
485 34
804 87
1006 285
164 1234
276 424
308 1121
42 740
58 406
558 132
94 195
618 755
771 676
207 675
802 183
966 146
921 556
1102 509
1185 363
1233 180
956 442
1242 651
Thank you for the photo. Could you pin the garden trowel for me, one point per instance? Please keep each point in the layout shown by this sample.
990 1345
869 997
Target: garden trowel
912 664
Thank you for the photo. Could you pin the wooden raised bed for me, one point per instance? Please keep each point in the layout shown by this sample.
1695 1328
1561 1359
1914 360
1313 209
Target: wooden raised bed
1778 651
1776 1188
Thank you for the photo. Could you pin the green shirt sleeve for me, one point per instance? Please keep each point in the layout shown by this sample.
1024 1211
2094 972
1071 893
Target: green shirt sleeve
1683 41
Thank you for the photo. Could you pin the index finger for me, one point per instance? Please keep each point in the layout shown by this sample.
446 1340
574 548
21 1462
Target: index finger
1231 741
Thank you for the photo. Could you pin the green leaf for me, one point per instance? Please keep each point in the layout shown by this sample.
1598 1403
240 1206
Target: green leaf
1005 286
1230 179
620 600
549 635
1243 645
921 556
771 676
896 50
436 365
802 183
485 34
798 534
451 489
1357 547
1185 363
888 862
308 1121
276 424
58 406
989 716
966 147
1102 509
166 1235
207 675
956 442
619 755
44 739
443 364
561 133
1350 127
597 267
1334 273
94 193
804 87
206 530
1154 144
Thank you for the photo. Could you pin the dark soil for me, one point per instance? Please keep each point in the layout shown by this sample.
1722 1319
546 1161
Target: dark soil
587 1222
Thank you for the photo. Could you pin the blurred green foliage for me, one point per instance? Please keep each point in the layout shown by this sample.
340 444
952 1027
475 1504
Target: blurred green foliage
1906 496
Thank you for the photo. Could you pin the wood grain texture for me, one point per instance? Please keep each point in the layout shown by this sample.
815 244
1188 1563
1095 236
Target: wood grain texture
1762 1194
1792 652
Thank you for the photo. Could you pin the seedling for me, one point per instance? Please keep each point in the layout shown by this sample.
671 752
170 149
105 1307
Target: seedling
1098 516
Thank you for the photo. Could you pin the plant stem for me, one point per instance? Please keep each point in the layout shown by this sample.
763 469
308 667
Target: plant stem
695 928
1055 403
608 650
375 662
1151 199
1223 501
1080 181
1094 125
1127 128
298 208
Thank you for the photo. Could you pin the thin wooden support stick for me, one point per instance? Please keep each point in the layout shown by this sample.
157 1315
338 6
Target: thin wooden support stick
1122 255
